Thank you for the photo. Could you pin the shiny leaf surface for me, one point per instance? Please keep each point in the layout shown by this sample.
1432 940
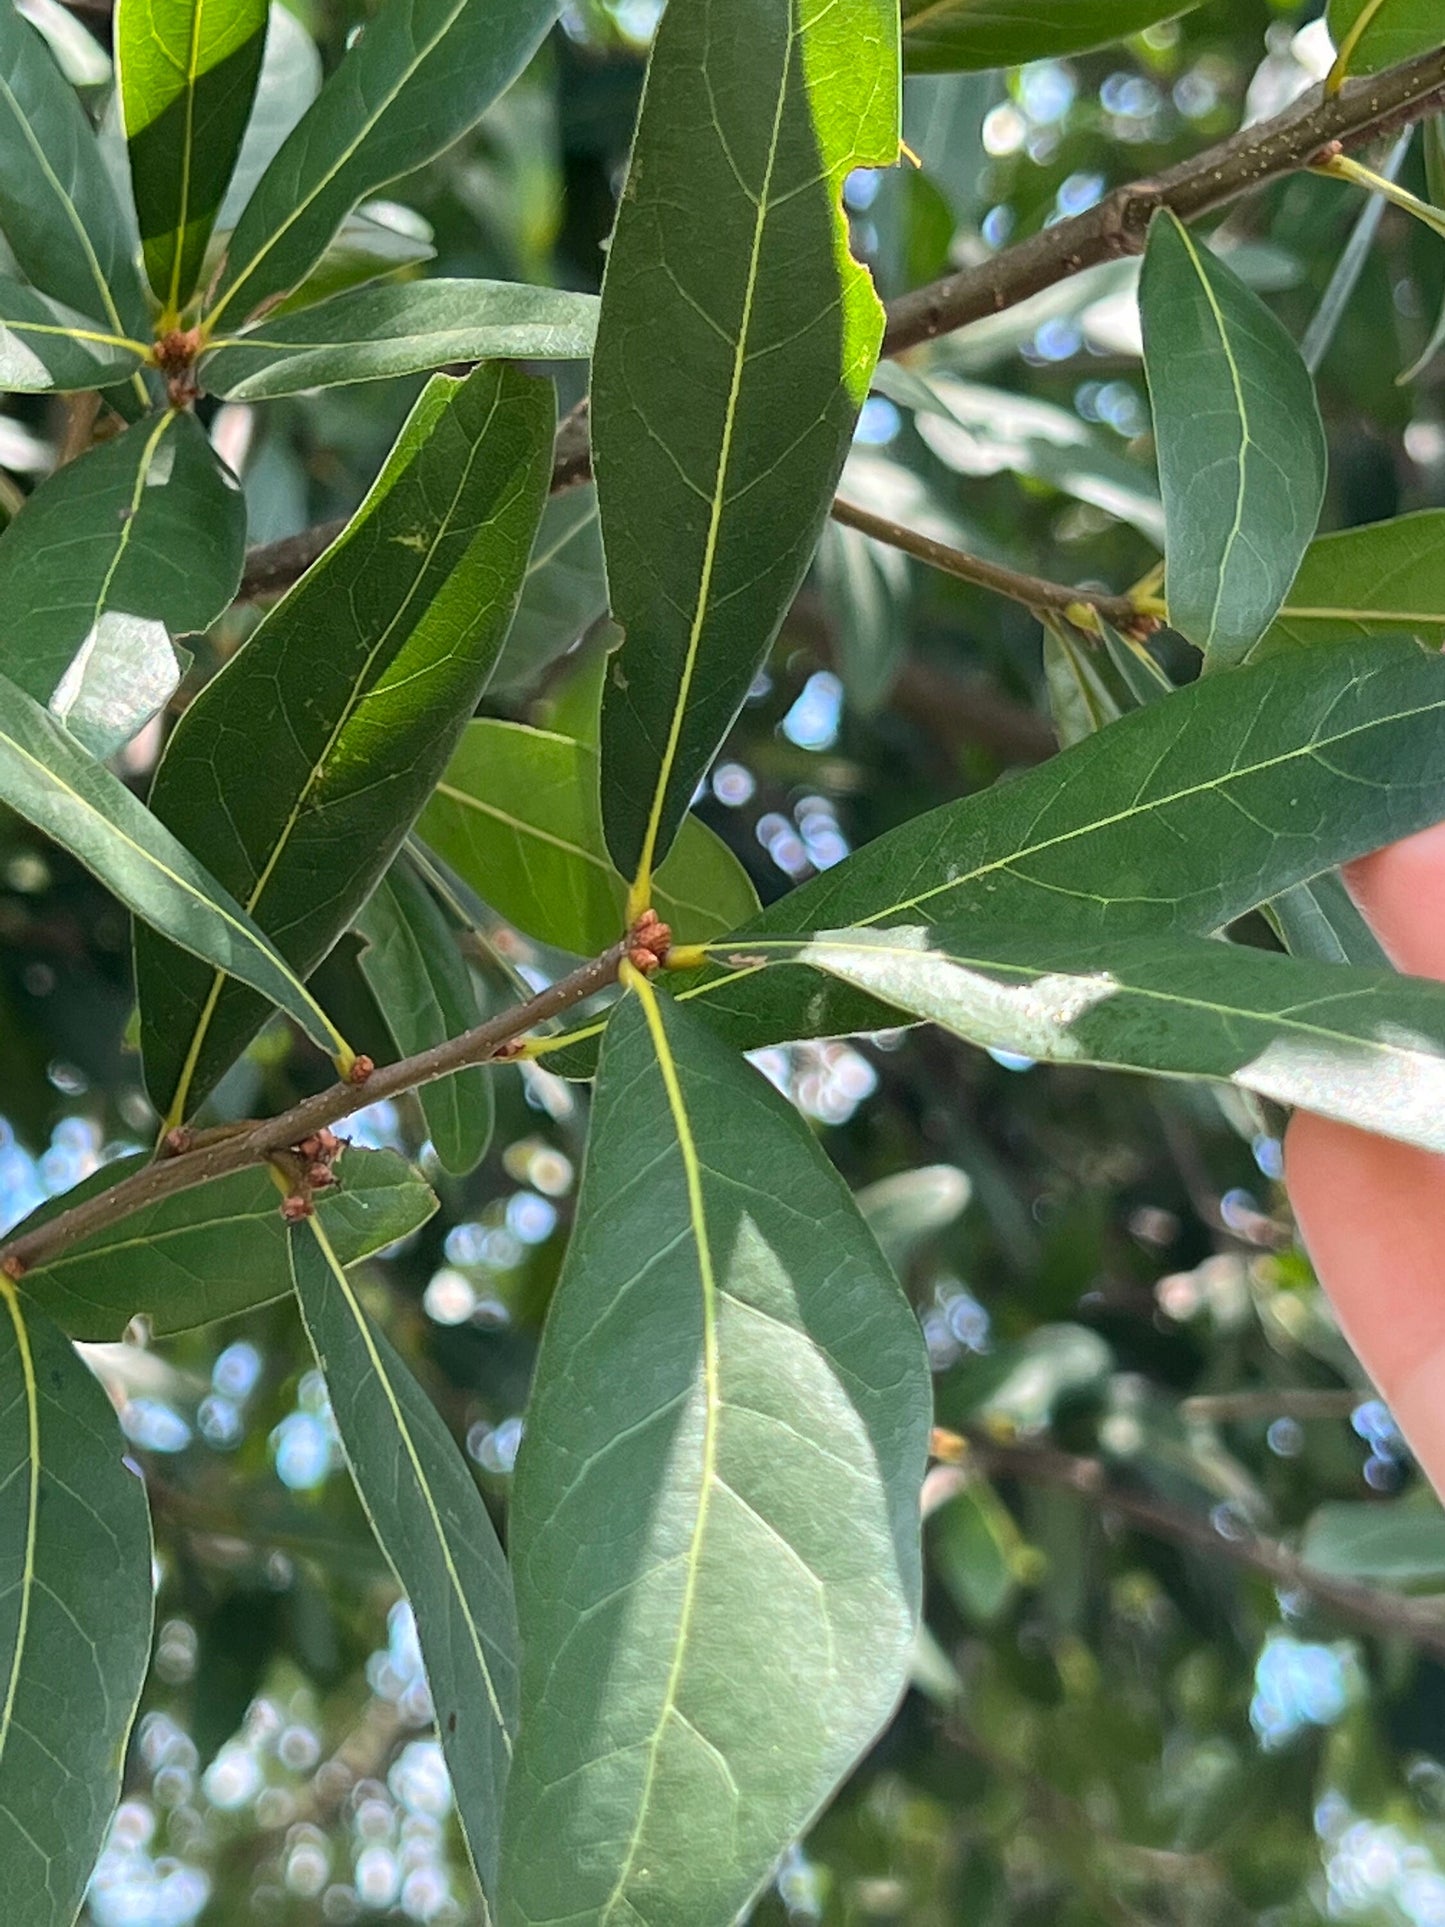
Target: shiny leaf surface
1241 450
948 36
215 1250
722 407
397 329
1180 817
423 72
138 540
1366 1047
430 1522
1384 578
75 1615
44 344
47 778
58 210
516 816
359 682
715 1523
187 71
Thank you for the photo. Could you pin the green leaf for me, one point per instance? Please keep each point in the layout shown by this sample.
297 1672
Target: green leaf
138 540
290 81
47 778
75 1615
44 344
1179 817
58 210
431 1523
1371 34
187 73
398 328
1366 1047
1400 1543
358 684
978 1552
212 1251
948 36
1241 450
1319 920
564 594
723 399
419 76
714 1526
378 238
517 817
1385 578
420 980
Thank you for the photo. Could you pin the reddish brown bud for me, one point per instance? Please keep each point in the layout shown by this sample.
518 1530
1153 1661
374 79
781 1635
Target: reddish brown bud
176 1143
644 960
361 1069
512 1048
13 1267
320 1176
296 1209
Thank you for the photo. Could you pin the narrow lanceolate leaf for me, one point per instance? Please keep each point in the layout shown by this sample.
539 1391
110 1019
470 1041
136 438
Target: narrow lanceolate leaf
138 540
517 817
75 1615
949 36
44 344
420 981
1320 920
397 329
714 1529
58 210
215 1250
1241 449
1366 1047
357 685
1180 817
1385 578
724 397
47 778
431 1523
421 74
187 71
1371 34
290 81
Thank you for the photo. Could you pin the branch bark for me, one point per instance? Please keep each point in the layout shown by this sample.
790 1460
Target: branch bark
1031 590
250 1144
1363 111
1388 1614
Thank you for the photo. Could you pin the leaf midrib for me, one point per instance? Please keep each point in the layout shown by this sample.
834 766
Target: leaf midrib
176 1110
403 1431
692 1174
1032 973
258 945
71 211
347 153
643 882
32 1507
1246 437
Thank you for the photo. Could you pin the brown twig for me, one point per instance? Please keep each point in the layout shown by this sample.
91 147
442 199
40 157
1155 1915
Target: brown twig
1365 110
237 1148
1031 590
1387 1614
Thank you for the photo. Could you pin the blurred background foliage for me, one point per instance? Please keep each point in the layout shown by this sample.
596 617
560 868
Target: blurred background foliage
1127 1707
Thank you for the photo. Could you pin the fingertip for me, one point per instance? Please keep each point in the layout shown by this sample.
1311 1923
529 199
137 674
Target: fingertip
1371 1214
1401 891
